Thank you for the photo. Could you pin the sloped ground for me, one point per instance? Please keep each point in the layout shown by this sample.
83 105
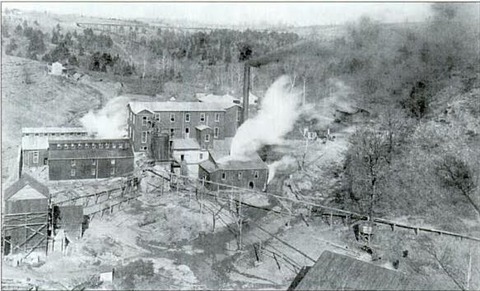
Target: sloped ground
32 98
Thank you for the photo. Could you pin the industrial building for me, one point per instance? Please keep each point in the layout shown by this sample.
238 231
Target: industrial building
179 120
34 151
223 169
89 159
25 222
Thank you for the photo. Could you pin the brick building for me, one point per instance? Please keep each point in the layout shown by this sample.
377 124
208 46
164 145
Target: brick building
89 159
180 120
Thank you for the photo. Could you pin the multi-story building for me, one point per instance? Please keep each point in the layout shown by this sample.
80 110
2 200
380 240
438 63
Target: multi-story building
180 120
89 159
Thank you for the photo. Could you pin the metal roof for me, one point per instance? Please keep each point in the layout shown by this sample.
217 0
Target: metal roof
222 161
333 271
185 144
76 154
21 183
53 129
170 106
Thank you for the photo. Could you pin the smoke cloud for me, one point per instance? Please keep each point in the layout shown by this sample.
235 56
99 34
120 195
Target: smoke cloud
108 122
276 117
287 162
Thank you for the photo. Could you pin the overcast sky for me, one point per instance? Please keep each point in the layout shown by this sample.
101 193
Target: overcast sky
239 13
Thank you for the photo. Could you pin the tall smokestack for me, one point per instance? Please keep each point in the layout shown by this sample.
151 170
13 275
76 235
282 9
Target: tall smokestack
246 90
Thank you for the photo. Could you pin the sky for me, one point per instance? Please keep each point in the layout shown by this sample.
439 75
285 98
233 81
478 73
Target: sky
301 14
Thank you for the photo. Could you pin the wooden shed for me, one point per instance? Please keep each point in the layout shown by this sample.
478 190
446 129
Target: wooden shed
26 216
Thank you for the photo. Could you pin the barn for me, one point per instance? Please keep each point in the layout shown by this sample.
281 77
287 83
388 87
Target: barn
89 159
219 168
26 216
334 271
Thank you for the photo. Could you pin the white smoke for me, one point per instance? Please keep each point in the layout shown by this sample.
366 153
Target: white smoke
276 117
108 122
287 162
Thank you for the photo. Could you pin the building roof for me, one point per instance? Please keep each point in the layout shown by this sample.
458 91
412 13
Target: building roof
26 180
41 142
209 166
77 154
202 127
185 144
222 161
89 140
226 100
169 106
333 271
53 129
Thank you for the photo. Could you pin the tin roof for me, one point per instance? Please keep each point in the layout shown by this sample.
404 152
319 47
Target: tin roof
170 106
185 144
333 271
21 183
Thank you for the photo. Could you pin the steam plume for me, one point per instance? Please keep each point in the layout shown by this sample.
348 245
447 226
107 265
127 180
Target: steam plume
108 122
285 163
277 116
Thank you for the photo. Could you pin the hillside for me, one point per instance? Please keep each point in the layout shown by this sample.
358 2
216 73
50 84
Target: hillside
32 98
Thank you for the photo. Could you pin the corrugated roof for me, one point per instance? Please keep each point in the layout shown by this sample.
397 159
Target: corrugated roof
63 154
53 129
170 106
185 144
339 272
22 182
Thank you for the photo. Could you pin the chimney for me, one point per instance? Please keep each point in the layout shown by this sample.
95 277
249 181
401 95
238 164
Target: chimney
246 91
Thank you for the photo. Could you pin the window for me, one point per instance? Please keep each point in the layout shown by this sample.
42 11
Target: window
107 145
114 145
79 146
216 131
59 146
156 116
182 158
144 148
172 131
256 174
145 120
202 117
172 117
217 117
94 162
112 172
224 176
187 131
240 176
87 146
35 157
93 171
144 137
73 163
65 146
94 145
207 137
112 162
100 145
53 134
62 134
201 156
72 172
36 134
26 134
120 145
187 117
78 133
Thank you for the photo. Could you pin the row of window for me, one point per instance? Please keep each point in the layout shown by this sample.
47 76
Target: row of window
216 133
93 145
93 172
73 163
239 175
156 117
56 134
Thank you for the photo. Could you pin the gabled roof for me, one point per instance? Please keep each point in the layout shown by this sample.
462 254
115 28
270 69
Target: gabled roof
333 271
21 183
173 106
